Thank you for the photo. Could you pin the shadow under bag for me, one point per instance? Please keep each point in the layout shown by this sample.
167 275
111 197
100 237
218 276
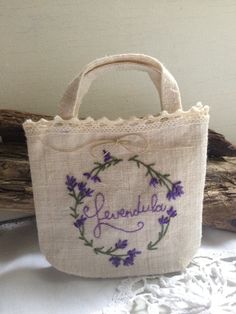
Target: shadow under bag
117 198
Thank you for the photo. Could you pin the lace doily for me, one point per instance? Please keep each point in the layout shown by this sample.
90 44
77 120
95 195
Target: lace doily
207 286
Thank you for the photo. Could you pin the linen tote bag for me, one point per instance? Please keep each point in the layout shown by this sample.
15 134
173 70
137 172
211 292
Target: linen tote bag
121 197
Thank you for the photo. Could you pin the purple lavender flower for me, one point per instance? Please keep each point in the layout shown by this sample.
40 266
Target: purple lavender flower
80 222
70 182
87 175
83 191
107 155
177 190
82 186
121 244
171 212
115 260
133 253
164 220
129 260
153 182
89 192
96 179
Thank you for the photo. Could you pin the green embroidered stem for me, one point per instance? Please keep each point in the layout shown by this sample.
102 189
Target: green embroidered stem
82 237
76 215
166 229
163 178
109 252
99 250
102 166
162 233
78 201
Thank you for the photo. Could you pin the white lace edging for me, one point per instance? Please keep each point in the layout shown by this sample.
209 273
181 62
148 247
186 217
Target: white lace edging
207 286
196 114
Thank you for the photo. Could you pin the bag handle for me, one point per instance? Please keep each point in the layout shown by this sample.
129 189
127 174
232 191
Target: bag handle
164 82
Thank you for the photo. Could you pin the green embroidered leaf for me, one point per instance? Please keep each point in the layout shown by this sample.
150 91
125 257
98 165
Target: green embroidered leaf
98 249
151 246
90 243
110 250
97 163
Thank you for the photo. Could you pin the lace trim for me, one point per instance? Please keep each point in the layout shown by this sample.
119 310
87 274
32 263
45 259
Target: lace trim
207 286
196 114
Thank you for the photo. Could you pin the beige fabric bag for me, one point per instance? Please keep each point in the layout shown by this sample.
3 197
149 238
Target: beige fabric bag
124 197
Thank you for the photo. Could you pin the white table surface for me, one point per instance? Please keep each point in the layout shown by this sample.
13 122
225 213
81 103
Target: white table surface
29 284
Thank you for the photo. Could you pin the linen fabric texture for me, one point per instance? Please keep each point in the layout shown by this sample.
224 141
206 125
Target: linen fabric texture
123 197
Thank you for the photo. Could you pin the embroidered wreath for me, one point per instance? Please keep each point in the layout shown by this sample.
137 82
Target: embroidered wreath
80 190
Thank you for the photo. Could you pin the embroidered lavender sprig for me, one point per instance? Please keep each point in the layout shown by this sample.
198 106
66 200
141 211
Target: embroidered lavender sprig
106 155
164 221
175 189
121 244
78 190
129 260
153 182
116 258
80 222
71 183
108 160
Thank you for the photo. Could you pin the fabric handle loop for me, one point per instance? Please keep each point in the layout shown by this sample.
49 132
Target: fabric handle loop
164 82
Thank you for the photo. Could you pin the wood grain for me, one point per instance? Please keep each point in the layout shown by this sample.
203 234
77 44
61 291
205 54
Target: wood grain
219 207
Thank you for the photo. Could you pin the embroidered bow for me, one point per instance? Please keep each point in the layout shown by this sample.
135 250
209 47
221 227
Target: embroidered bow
134 143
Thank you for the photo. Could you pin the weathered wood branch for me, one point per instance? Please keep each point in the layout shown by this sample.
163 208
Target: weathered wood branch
11 124
219 207
218 146
15 181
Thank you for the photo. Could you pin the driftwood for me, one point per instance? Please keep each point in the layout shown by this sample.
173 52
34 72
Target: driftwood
11 124
15 181
219 207
218 146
